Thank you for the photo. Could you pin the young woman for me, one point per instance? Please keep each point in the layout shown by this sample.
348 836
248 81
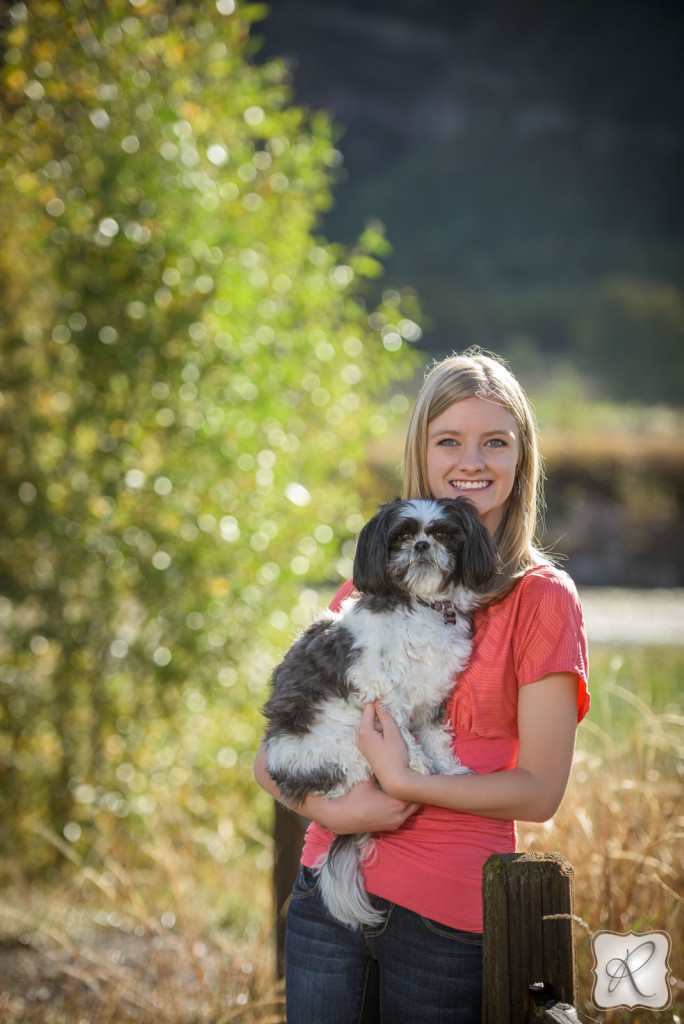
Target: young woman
513 712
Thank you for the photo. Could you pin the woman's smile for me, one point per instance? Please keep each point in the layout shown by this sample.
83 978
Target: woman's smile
471 485
472 451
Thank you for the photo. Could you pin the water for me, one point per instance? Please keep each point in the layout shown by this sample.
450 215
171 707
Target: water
616 615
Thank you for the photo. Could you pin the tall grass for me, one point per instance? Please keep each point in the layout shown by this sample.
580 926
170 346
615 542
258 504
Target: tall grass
621 824
162 931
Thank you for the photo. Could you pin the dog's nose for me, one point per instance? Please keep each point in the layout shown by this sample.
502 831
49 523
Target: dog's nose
421 545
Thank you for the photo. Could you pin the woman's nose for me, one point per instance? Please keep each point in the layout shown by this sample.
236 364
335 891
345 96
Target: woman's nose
470 457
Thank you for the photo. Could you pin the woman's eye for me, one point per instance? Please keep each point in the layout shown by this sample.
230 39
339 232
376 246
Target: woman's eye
497 442
446 442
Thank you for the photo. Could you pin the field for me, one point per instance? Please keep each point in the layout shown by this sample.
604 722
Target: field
161 931
621 824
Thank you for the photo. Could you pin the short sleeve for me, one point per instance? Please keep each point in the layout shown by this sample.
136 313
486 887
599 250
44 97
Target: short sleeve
344 592
550 634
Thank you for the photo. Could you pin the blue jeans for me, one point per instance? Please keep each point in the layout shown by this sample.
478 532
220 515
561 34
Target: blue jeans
408 970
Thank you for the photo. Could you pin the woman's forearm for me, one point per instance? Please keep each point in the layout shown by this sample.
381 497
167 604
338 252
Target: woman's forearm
365 808
313 807
514 794
266 781
532 791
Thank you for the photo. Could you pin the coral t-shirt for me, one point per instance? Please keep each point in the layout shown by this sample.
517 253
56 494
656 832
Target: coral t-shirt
433 863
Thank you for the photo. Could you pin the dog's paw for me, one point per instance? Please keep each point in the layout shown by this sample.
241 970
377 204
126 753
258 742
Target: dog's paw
452 766
460 769
420 763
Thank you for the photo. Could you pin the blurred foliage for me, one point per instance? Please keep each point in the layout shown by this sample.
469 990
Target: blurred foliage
189 377
632 330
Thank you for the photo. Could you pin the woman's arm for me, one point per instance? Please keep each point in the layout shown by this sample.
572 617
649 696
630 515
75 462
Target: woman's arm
532 791
364 809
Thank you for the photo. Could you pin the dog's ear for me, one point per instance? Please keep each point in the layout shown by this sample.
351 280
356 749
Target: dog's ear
479 555
479 561
371 572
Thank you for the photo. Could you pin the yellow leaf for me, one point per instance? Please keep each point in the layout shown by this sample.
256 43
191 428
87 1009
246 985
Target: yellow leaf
17 36
101 507
219 586
191 111
174 56
170 521
25 182
46 194
16 79
43 49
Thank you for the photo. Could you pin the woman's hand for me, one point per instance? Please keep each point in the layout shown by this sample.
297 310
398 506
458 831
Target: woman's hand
365 808
531 791
383 746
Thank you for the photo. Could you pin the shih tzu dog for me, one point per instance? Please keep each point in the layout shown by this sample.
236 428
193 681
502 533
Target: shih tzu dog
402 639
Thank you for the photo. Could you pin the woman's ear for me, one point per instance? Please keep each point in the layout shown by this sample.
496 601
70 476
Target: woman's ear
371 572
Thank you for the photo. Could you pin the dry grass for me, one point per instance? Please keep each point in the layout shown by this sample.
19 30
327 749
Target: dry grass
621 826
105 943
162 933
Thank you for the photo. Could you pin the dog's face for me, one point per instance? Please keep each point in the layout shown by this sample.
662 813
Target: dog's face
423 547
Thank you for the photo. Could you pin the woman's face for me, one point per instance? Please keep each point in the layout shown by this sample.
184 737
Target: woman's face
473 449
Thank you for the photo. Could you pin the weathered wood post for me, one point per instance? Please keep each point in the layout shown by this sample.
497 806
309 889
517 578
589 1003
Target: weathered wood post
525 943
288 837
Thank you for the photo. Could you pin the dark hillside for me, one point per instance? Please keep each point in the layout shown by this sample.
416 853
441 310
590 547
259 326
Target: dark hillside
526 159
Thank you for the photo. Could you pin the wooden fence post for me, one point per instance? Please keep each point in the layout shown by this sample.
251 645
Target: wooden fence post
525 943
288 837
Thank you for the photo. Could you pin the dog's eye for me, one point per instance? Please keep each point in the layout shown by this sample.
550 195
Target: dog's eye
441 535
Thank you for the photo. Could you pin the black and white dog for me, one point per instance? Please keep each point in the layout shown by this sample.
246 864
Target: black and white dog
417 569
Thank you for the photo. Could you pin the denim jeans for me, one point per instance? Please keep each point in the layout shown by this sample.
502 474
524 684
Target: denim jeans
408 970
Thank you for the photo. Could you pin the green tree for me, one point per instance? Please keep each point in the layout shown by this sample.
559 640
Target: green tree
189 378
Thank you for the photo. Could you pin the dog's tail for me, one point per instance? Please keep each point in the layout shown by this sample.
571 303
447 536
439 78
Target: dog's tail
341 881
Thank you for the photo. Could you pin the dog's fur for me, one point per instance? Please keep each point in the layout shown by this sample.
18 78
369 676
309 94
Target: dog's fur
389 644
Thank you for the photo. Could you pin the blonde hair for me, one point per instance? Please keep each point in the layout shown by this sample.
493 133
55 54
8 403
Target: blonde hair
476 373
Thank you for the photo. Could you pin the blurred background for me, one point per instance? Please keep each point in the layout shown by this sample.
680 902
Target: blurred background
526 160
231 239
